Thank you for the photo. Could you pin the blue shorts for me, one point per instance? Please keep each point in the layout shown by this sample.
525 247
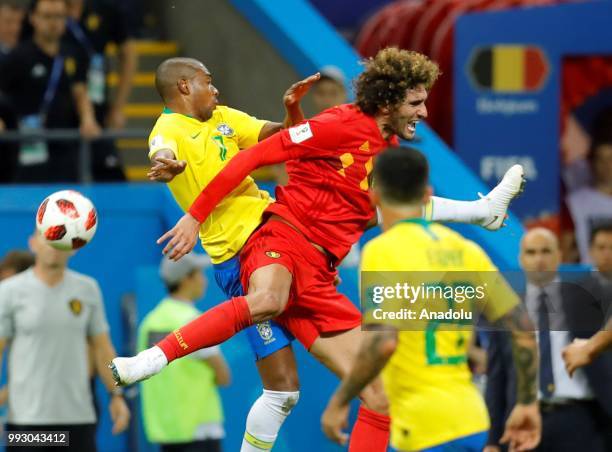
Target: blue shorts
471 443
265 337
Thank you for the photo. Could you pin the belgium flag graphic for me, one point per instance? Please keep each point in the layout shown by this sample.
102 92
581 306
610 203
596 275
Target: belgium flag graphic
509 68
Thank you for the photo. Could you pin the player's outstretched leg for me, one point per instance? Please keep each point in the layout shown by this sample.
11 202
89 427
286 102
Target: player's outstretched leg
489 211
265 300
338 353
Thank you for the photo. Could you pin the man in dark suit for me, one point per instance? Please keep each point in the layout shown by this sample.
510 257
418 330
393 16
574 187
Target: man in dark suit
576 411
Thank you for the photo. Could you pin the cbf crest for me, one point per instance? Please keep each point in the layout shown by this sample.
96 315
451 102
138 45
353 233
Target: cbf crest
225 130
265 332
76 306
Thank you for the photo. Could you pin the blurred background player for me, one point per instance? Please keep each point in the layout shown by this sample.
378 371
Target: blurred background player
182 408
558 310
48 316
12 13
14 262
433 404
192 121
45 81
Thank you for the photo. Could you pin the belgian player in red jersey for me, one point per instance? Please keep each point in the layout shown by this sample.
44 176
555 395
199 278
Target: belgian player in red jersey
288 266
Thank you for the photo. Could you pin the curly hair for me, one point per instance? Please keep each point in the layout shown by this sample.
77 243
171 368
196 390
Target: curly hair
389 74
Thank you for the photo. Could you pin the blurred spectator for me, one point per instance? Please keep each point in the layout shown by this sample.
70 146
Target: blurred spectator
14 262
46 84
92 25
591 206
8 150
181 406
12 13
601 254
48 315
584 401
329 91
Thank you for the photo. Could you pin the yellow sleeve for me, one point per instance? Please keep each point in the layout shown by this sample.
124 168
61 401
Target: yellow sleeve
500 298
246 127
162 138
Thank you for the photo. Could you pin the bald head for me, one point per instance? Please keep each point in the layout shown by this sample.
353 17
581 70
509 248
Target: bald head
172 71
540 234
540 255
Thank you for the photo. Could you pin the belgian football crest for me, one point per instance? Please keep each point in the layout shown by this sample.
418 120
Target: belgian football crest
76 306
225 130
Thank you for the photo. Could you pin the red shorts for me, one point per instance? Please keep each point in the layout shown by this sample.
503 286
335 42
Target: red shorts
315 306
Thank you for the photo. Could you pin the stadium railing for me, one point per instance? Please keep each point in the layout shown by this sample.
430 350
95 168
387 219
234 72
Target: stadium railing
85 153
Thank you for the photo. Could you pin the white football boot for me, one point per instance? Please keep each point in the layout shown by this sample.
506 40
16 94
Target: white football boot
498 199
145 364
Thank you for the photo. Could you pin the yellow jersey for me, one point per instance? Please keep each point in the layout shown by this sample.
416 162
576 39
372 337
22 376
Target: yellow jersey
207 147
427 380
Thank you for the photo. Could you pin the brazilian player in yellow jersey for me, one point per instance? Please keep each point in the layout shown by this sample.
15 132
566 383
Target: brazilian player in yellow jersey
208 146
433 404
207 139
191 142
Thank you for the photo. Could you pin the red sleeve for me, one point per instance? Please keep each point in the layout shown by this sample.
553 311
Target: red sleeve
314 138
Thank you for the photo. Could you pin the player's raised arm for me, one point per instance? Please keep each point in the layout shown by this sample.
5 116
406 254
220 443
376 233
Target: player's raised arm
293 110
292 99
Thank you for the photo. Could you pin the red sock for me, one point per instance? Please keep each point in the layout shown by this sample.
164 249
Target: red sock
370 433
211 328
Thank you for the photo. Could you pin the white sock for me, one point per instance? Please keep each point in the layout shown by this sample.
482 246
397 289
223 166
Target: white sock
266 418
449 210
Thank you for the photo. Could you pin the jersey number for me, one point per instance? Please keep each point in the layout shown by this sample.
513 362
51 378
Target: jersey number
222 148
347 161
433 357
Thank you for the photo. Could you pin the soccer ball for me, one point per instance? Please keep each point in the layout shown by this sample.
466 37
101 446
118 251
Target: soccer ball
67 220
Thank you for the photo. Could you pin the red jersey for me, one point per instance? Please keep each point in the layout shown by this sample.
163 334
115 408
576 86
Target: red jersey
329 161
